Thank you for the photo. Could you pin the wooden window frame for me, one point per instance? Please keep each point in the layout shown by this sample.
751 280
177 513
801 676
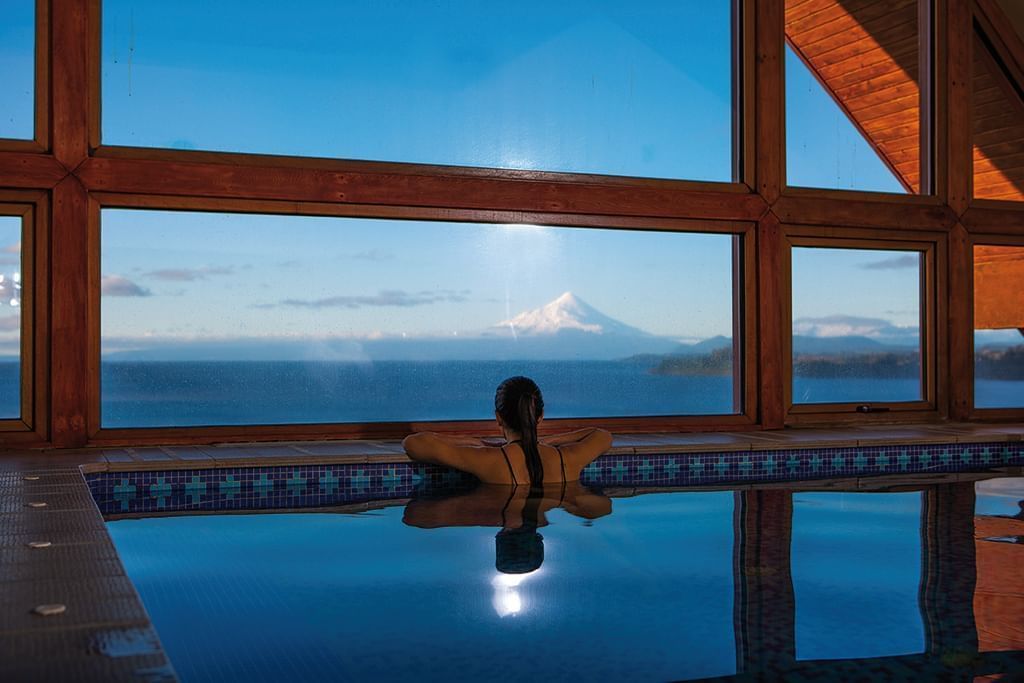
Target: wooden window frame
743 278
933 325
985 414
31 208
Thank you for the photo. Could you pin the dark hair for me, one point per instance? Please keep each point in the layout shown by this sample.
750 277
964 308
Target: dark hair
519 403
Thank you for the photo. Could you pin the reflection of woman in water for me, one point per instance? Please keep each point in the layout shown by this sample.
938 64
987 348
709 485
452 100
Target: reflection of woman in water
522 459
519 511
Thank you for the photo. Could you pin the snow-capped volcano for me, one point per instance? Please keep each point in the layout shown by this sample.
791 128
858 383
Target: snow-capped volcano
567 312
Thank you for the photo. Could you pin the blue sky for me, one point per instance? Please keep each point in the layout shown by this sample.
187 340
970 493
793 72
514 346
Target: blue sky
17 40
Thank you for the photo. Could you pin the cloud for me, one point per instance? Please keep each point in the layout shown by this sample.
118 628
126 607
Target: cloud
372 255
12 248
384 298
188 274
9 323
851 326
894 263
115 285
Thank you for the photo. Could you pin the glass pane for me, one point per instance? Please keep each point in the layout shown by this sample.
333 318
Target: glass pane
597 86
17 64
236 319
852 95
998 123
10 317
856 571
856 325
998 327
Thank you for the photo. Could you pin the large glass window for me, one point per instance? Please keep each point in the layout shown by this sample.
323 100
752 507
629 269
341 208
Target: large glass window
853 95
856 325
998 326
856 573
998 127
596 86
232 319
10 316
17 64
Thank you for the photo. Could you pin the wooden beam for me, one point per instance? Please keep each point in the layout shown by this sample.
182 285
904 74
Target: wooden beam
473 191
992 217
69 97
769 106
800 207
770 316
956 32
30 171
69 287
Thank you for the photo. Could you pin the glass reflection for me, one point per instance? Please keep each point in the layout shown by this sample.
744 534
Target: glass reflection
10 316
518 511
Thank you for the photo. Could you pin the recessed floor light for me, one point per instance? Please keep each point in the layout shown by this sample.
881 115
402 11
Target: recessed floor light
36 504
38 544
50 610
30 477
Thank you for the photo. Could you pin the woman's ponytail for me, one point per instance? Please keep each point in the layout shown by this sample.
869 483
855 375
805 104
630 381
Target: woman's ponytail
521 406
528 430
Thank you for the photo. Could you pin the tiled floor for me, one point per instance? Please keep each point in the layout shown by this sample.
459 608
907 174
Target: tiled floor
104 633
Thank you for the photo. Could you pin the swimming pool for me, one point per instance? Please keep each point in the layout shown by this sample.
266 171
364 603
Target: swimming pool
908 577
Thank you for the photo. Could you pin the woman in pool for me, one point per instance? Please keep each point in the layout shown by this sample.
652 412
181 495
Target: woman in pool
522 458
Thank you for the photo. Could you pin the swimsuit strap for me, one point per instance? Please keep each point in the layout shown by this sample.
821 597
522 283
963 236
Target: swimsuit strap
508 462
561 461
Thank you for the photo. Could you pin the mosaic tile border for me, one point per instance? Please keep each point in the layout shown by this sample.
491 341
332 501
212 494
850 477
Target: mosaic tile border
260 488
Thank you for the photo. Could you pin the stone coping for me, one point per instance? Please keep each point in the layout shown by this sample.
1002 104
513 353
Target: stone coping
390 451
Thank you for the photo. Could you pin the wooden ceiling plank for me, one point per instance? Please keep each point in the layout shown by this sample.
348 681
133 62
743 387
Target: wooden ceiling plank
846 28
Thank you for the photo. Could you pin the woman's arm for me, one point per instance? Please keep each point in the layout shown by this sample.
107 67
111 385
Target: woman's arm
462 453
585 445
574 437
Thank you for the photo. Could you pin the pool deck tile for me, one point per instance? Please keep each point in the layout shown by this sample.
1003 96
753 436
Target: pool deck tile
105 633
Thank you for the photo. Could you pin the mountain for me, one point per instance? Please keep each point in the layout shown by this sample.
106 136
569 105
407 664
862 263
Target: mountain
568 312
847 344
567 328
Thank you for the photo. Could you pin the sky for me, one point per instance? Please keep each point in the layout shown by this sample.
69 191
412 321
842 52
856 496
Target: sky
17 40
523 85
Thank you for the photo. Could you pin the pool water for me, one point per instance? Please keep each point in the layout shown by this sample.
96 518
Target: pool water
685 585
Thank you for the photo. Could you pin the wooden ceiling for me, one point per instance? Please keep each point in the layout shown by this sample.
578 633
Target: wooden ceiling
998 121
998 287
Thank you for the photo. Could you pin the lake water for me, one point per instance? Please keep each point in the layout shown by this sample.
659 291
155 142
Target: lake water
136 394
155 394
